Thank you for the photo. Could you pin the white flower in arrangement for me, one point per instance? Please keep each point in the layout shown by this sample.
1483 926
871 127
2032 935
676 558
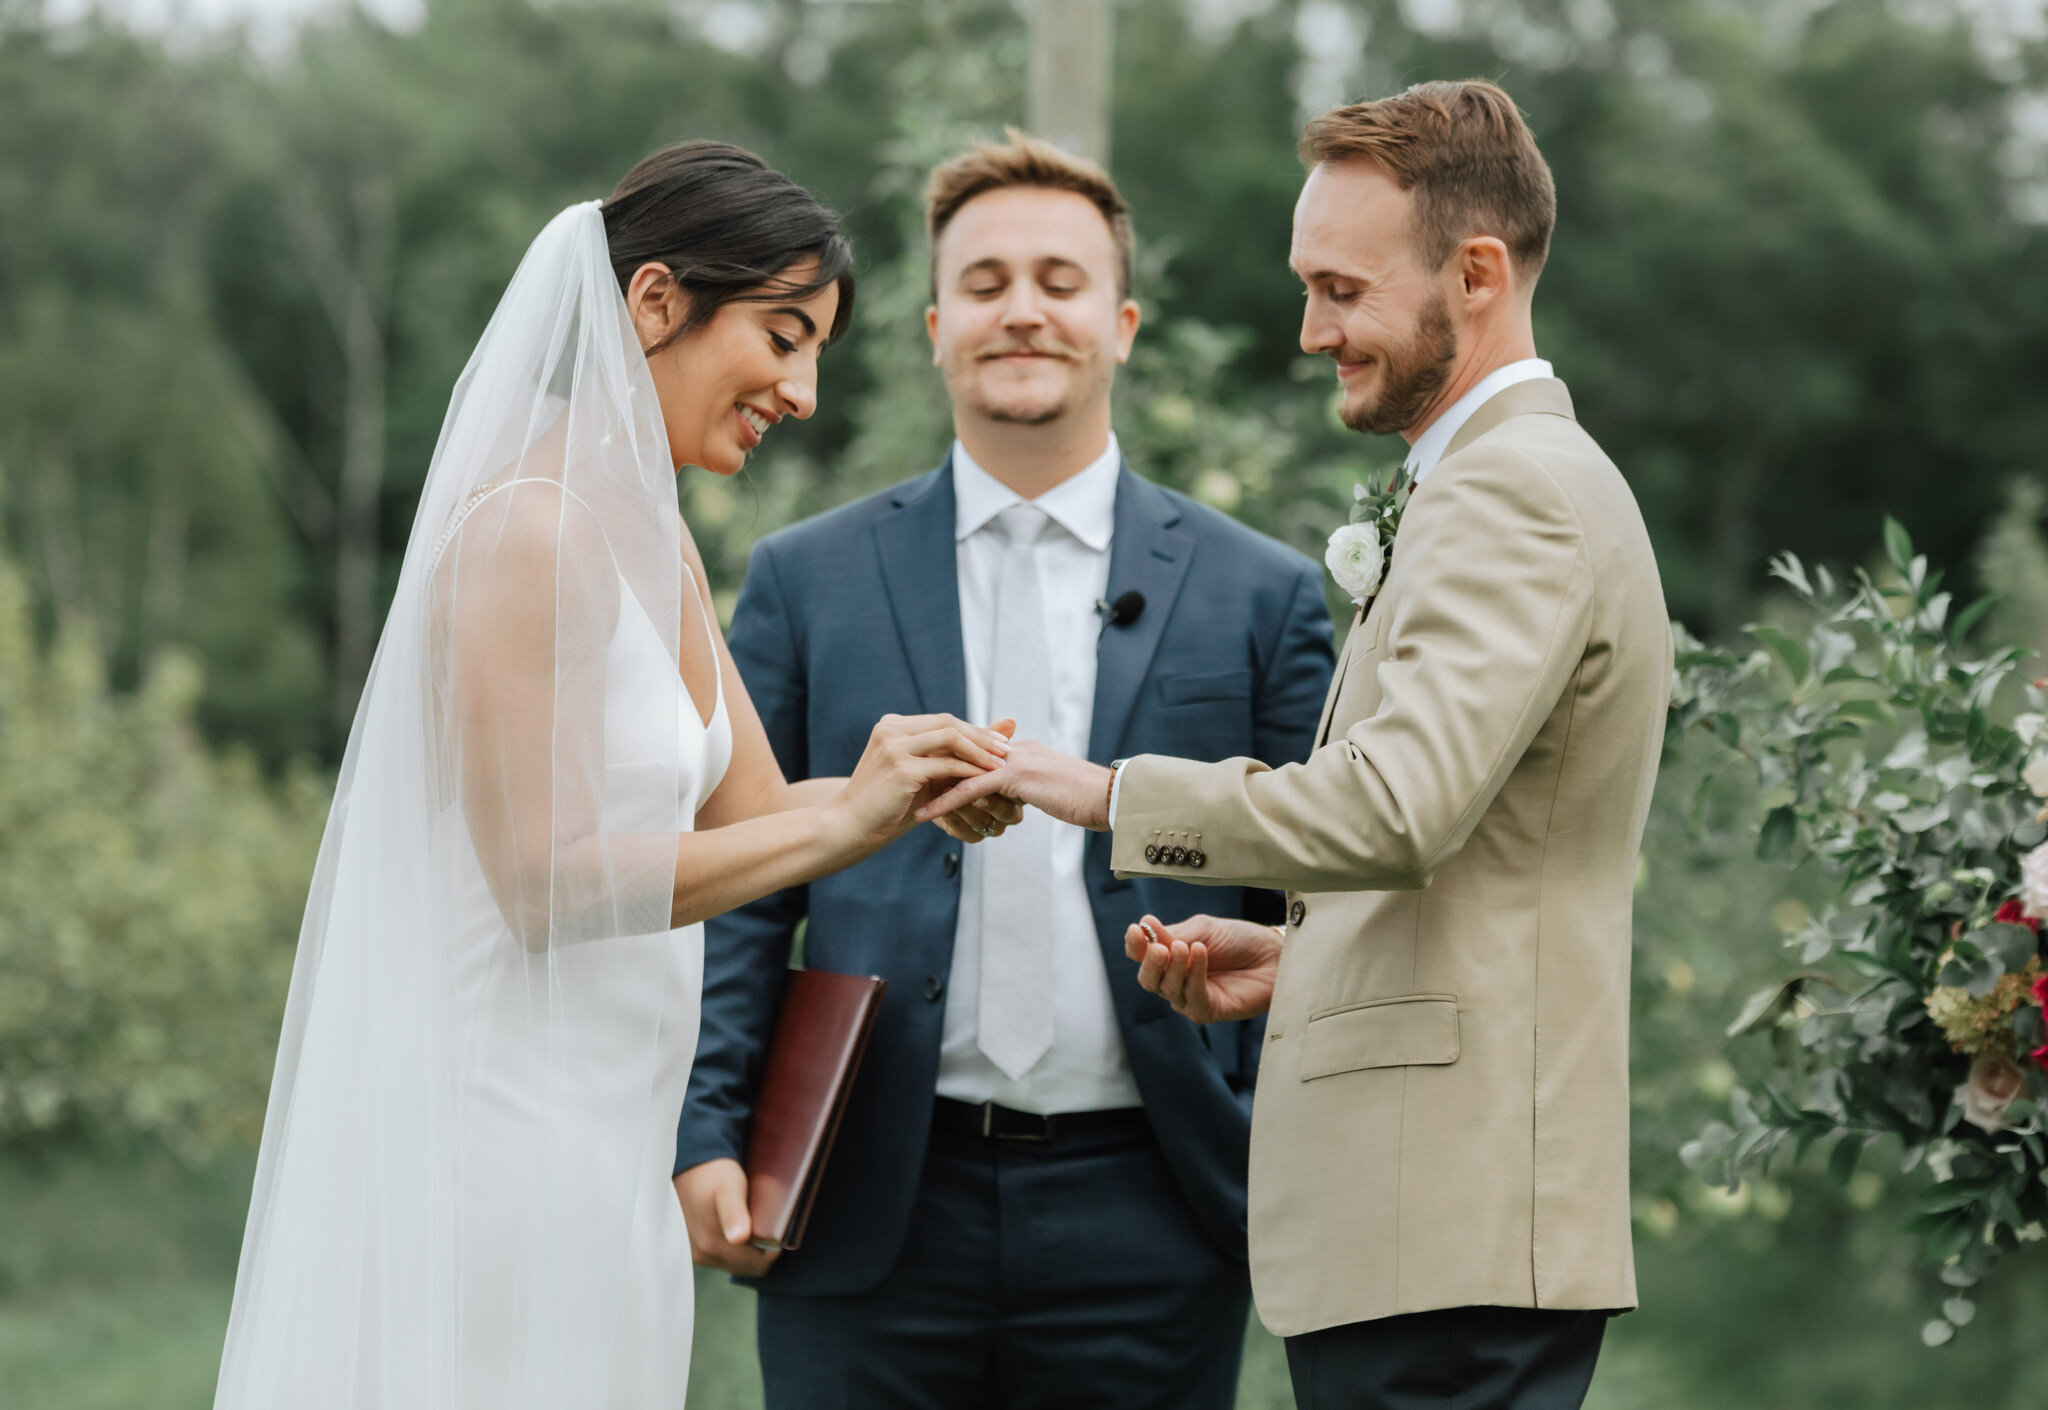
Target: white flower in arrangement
2029 727
1356 558
2034 882
2036 775
1995 1081
1941 1159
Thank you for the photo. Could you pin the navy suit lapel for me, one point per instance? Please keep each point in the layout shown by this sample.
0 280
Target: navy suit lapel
1149 555
915 546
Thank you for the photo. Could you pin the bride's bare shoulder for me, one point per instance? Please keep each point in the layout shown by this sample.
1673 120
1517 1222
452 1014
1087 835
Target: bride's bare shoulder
532 539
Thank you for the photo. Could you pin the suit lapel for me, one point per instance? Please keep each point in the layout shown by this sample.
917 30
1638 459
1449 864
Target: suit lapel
1542 395
1150 555
915 546
1358 616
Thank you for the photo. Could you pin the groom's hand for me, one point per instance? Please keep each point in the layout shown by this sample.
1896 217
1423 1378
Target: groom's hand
1072 790
1209 968
714 1200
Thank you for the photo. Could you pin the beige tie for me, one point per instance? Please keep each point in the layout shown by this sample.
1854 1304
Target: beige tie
1014 1019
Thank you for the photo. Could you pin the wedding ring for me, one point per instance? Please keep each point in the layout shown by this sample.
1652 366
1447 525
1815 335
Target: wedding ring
986 831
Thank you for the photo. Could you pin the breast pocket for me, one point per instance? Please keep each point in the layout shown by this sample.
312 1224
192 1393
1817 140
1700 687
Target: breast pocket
1206 689
1204 716
1414 1030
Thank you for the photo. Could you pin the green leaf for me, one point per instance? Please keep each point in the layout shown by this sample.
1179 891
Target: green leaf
1957 1194
1780 831
1842 1160
1898 544
1869 710
1788 649
1762 1004
1970 616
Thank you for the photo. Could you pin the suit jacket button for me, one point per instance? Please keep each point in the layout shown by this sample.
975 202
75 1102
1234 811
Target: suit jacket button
951 866
1197 858
1152 854
1296 913
933 987
1180 856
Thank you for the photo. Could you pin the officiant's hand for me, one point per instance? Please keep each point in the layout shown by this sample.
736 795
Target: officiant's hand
1208 967
714 1200
1072 790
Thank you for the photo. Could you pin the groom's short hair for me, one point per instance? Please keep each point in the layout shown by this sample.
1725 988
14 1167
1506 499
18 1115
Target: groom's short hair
1025 161
1464 154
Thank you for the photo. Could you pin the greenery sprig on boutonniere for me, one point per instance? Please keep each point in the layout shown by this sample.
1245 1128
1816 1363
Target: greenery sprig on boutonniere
1359 550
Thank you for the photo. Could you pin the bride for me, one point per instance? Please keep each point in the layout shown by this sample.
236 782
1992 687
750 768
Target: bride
554 777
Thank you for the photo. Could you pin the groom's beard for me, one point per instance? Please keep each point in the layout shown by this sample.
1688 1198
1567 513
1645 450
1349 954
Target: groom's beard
1412 376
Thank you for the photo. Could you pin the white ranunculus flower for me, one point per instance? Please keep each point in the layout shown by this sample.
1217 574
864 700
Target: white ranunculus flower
2034 882
1356 559
2036 775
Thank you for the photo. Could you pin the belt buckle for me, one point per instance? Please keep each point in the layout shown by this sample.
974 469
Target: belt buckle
1040 1137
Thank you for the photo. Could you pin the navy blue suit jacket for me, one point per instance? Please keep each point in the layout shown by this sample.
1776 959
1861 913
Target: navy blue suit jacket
856 614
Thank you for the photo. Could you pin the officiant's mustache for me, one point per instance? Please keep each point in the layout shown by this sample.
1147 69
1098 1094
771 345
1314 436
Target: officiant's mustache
1034 347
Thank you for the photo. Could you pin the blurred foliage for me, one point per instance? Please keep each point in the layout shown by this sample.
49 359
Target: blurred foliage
1795 275
1880 762
148 898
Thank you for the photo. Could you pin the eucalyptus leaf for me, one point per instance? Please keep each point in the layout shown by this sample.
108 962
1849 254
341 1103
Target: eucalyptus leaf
1898 545
1779 831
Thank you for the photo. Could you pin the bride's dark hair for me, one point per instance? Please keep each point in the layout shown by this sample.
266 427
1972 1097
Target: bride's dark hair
728 226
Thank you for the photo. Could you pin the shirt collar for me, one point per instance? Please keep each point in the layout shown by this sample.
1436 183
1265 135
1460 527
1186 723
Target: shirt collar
1084 505
1430 446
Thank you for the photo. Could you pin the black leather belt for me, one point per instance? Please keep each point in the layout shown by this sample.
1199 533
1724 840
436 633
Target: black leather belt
1001 1123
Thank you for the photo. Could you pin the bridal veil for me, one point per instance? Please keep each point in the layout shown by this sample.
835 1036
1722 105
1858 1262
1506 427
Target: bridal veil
444 1201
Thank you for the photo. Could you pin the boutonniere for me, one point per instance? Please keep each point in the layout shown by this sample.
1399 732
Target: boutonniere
1358 551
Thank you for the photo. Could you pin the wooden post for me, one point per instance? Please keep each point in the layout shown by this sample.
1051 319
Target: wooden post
1070 51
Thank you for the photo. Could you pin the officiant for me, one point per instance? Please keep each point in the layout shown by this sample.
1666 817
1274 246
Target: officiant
1038 1190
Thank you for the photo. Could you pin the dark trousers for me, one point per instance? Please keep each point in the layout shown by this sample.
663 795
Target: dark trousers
1061 1276
1461 1358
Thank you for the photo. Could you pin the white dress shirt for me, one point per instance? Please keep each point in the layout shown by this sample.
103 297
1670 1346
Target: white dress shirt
1430 446
1086 1069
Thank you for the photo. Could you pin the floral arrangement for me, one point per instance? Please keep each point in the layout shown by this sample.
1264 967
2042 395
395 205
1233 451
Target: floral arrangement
1358 550
1881 759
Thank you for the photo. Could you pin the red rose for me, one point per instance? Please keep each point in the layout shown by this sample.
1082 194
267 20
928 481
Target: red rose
2011 914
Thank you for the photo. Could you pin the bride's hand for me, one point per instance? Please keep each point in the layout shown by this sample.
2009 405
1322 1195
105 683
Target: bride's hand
911 759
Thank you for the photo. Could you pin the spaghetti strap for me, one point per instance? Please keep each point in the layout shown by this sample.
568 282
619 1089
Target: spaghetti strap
484 492
710 640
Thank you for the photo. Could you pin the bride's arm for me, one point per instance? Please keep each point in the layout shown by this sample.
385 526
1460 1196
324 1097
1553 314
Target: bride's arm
532 599
754 785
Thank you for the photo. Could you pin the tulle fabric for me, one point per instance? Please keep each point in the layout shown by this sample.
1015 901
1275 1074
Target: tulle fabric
460 1134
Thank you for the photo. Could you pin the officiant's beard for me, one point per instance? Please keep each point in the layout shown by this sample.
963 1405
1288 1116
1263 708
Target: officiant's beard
1038 406
1412 377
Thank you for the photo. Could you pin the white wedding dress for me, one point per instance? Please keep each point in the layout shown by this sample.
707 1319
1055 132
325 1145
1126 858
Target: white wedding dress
509 1102
462 1200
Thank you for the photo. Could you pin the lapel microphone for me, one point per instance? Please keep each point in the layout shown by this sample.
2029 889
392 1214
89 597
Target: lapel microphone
1123 611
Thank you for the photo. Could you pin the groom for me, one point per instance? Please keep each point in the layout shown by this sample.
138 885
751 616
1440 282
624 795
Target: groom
1439 1176
1037 1194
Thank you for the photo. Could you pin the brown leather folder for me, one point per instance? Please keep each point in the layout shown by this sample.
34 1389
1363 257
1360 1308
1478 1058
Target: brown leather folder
816 1049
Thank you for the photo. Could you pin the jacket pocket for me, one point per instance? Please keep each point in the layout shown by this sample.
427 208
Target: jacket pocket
1197 690
1414 1030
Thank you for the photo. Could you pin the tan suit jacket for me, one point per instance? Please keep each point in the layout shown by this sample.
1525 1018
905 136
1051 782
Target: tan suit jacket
1442 1109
